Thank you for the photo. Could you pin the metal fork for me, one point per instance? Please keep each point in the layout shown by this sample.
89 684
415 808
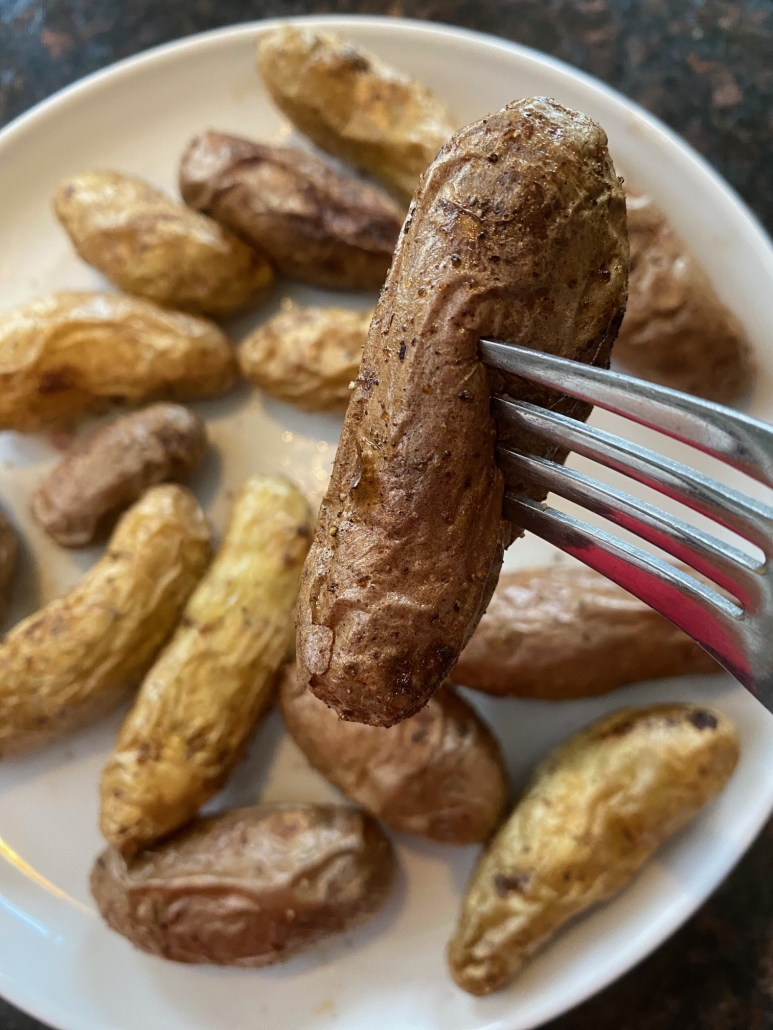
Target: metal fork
737 631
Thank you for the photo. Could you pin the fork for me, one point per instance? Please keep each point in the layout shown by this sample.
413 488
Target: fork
737 630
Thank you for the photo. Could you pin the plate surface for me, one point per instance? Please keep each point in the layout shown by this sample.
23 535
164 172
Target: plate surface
56 958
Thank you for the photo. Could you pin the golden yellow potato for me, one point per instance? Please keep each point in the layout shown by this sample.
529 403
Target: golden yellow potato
73 661
595 811
307 356
250 887
148 245
353 105
72 352
200 702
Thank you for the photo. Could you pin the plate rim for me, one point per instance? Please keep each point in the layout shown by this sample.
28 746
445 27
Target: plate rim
677 915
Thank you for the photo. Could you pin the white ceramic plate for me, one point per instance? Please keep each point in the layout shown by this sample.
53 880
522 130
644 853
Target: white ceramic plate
57 960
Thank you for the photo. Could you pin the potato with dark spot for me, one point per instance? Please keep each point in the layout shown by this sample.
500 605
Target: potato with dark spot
676 330
75 659
108 470
353 105
517 233
250 887
315 225
307 356
73 352
148 245
9 548
595 811
439 774
558 632
199 704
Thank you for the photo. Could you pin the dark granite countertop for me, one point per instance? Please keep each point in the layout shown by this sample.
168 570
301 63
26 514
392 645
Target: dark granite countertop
706 68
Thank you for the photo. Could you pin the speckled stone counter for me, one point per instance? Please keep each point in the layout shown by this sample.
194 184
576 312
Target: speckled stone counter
706 68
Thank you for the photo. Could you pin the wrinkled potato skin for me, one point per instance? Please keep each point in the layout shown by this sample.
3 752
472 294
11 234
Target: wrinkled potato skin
72 352
410 536
559 632
307 356
676 330
110 469
75 659
142 241
250 887
355 106
9 548
595 811
199 704
439 774
316 225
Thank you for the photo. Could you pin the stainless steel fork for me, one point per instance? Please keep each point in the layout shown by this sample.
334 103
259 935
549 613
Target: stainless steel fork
736 630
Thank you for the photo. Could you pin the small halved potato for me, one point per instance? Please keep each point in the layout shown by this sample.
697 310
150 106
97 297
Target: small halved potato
249 887
148 245
72 352
110 469
439 774
353 105
75 659
201 701
595 811
307 356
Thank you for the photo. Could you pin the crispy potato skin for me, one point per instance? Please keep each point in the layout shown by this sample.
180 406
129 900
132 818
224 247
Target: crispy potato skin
9 547
439 774
676 330
72 352
517 233
251 887
595 811
149 246
355 106
110 469
75 659
307 356
200 702
316 225
558 632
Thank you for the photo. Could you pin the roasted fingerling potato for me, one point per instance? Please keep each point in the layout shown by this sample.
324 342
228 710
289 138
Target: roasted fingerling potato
148 245
108 470
9 548
250 887
439 774
517 233
354 106
559 632
199 704
308 357
595 811
676 330
315 224
73 352
75 659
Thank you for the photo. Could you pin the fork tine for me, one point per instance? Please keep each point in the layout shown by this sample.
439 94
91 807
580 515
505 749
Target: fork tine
743 515
730 568
741 441
710 619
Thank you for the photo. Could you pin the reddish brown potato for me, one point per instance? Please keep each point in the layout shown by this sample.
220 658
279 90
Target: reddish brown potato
439 774
106 472
676 330
316 225
250 887
558 632
148 245
517 233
